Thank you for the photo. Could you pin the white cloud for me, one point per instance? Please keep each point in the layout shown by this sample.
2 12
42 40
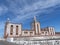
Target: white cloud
23 10
3 9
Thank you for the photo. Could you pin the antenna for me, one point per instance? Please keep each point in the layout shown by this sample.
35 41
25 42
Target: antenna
35 18
8 20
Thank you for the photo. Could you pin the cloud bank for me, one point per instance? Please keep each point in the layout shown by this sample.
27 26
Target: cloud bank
24 9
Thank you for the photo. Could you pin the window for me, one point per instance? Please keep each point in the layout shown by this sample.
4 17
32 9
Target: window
11 30
25 32
11 25
46 32
11 33
16 33
16 30
16 26
31 32
38 28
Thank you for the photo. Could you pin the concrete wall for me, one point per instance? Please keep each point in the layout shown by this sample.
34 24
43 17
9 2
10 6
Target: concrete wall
36 40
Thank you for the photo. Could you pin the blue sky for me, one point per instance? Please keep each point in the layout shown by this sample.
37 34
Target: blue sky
23 11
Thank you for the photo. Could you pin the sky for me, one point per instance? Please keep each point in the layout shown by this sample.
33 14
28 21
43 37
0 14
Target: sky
47 13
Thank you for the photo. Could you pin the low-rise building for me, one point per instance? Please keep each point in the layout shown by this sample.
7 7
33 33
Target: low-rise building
15 31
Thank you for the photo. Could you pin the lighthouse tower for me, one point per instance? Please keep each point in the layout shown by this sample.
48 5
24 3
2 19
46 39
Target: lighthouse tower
36 26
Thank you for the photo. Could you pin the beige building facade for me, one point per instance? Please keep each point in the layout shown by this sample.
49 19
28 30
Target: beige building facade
16 30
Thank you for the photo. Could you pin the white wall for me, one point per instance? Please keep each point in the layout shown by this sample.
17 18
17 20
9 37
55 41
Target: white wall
28 33
14 29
